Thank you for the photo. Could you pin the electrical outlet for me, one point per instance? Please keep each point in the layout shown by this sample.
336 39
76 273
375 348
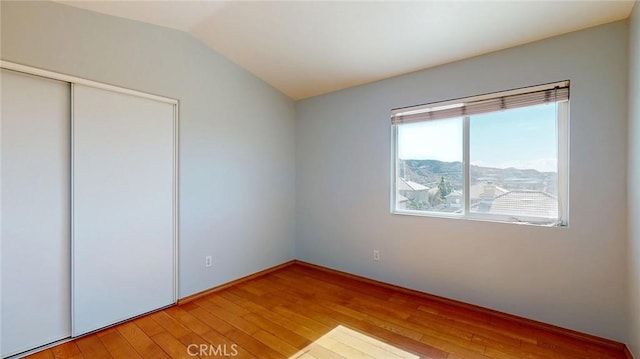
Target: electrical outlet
208 261
376 255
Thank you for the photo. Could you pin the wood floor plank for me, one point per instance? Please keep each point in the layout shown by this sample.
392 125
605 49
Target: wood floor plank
340 308
67 351
188 320
211 320
311 283
140 341
275 343
280 320
335 319
308 322
348 351
117 345
228 305
535 350
246 300
285 334
286 291
192 341
220 342
570 346
252 287
169 324
510 354
43 354
91 347
367 345
267 300
495 341
149 326
459 347
317 351
336 279
400 329
232 319
255 347
514 331
172 346
300 311
188 306
440 335
431 324
438 307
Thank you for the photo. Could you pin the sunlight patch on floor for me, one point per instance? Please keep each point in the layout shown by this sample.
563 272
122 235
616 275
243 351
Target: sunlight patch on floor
343 342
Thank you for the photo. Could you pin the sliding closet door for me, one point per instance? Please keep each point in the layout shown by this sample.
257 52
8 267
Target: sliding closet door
35 131
123 207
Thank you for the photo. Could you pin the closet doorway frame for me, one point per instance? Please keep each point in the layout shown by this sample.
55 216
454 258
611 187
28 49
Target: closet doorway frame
73 80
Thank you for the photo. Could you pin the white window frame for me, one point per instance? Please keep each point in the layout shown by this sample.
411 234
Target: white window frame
465 213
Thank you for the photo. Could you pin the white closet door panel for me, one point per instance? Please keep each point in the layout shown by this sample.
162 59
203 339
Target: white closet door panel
123 210
35 137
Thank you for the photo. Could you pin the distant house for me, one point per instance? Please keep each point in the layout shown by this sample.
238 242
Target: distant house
482 195
521 203
520 183
485 191
412 191
454 200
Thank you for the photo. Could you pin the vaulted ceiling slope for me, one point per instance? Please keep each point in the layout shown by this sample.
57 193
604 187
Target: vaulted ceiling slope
307 48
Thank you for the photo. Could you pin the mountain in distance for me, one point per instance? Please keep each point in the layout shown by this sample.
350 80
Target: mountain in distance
430 172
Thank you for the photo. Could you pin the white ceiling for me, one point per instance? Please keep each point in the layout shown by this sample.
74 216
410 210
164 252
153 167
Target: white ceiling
307 48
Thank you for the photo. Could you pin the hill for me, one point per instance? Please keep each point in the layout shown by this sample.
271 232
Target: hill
430 172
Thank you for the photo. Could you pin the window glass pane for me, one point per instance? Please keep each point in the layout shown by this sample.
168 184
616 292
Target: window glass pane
429 174
514 170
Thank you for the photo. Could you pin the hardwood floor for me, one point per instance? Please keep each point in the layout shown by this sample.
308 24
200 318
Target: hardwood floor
303 312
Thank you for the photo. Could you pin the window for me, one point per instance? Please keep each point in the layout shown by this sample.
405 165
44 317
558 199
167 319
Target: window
496 157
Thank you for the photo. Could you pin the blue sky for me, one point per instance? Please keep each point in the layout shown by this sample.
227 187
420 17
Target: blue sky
520 138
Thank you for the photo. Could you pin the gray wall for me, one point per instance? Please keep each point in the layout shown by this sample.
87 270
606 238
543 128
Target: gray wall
634 180
237 179
573 277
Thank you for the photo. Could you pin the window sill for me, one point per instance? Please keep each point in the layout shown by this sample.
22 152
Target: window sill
537 222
